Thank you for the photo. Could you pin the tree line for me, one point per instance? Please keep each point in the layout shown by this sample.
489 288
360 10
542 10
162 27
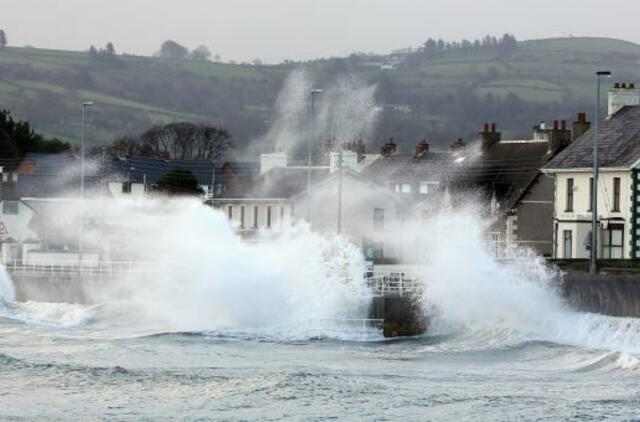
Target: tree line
17 138
180 141
507 44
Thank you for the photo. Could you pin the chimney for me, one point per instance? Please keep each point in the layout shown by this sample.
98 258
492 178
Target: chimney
389 148
491 136
459 144
580 126
360 148
422 147
122 150
349 160
621 96
272 160
559 137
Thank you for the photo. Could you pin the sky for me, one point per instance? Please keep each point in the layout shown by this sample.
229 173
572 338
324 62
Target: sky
275 30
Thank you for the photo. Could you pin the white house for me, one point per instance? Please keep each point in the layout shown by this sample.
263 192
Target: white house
364 212
618 186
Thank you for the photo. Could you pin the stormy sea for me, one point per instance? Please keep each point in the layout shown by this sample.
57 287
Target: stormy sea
228 330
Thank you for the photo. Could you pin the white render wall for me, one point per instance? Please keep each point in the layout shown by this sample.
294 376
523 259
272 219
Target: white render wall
280 213
17 225
578 220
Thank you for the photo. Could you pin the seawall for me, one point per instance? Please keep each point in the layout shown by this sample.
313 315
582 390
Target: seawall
610 293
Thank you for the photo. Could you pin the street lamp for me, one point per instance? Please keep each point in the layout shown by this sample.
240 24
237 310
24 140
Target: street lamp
593 268
84 136
313 94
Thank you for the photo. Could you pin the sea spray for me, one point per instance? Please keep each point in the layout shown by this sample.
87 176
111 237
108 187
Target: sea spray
346 111
7 290
501 302
205 277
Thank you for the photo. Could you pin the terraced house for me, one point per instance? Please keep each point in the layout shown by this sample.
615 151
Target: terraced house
618 187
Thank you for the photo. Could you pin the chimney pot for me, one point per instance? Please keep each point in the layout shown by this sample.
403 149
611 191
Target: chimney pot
616 85
623 85
632 85
582 117
563 125
555 125
493 128
486 127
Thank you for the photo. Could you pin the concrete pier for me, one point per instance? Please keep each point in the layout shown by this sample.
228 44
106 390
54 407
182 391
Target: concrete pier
402 316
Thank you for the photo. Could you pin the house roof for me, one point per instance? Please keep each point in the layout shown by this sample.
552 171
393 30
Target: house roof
505 168
243 169
619 144
277 183
49 164
136 169
407 168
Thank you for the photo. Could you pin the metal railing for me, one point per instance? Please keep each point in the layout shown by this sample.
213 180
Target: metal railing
82 268
394 284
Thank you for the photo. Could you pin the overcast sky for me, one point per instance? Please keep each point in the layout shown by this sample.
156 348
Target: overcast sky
274 30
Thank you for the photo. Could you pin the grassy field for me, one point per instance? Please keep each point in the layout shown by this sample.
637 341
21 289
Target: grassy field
47 86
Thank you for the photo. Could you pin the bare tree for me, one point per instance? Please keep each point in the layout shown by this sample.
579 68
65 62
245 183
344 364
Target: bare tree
182 141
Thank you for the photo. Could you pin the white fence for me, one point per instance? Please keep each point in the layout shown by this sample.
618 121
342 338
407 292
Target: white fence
394 284
79 268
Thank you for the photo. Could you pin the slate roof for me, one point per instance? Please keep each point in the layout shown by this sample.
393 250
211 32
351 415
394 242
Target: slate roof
407 168
49 164
277 183
619 144
154 169
244 169
506 169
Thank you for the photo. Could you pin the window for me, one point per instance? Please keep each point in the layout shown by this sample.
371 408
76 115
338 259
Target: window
406 188
242 217
590 205
567 244
378 250
569 207
230 212
10 207
255 217
616 194
378 218
612 241
269 217
126 187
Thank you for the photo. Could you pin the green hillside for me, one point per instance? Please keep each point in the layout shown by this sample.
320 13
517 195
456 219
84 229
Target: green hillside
448 94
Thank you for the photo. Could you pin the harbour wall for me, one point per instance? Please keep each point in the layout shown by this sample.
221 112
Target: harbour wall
615 294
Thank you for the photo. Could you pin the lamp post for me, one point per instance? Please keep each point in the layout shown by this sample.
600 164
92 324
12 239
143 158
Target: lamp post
82 147
313 94
84 136
593 267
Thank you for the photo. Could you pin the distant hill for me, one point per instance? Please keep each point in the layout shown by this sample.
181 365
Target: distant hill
439 97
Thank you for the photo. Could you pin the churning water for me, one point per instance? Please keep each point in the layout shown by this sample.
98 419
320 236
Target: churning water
230 330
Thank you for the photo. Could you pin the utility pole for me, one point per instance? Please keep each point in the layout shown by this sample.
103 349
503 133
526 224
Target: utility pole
314 92
593 267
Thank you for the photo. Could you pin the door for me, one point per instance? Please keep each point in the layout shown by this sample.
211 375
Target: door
567 244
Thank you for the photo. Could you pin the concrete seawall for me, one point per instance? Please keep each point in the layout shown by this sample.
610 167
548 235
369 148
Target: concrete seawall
605 293
62 288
